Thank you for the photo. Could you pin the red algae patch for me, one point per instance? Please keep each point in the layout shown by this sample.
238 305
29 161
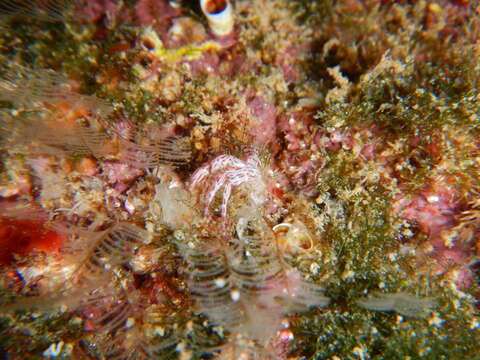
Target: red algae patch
23 237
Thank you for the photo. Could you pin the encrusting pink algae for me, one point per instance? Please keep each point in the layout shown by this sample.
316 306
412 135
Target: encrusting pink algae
239 179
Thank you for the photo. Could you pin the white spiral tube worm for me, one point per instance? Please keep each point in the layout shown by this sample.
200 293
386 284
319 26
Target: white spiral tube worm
219 14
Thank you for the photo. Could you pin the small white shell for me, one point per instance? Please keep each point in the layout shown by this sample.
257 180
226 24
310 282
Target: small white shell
219 14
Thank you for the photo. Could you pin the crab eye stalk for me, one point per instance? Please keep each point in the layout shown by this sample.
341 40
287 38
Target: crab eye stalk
219 14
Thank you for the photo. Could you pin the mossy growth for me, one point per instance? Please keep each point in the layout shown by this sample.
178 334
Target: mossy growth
367 256
422 113
18 329
426 116
349 333
61 46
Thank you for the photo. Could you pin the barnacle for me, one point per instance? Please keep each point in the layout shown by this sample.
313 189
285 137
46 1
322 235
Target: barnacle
60 119
248 288
50 117
89 258
47 10
402 303
140 150
37 89
39 135
90 279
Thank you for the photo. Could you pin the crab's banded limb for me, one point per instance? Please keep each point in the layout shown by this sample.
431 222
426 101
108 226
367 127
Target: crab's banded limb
218 182
224 162
227 191
199 176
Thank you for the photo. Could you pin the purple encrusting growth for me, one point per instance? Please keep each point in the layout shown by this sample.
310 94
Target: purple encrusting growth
305 186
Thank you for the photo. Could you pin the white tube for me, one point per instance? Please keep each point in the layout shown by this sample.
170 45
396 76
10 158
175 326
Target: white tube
219 14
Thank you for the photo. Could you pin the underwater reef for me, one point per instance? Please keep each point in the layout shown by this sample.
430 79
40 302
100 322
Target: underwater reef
239 179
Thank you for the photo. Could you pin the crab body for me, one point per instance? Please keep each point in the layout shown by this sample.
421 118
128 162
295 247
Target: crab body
229 172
